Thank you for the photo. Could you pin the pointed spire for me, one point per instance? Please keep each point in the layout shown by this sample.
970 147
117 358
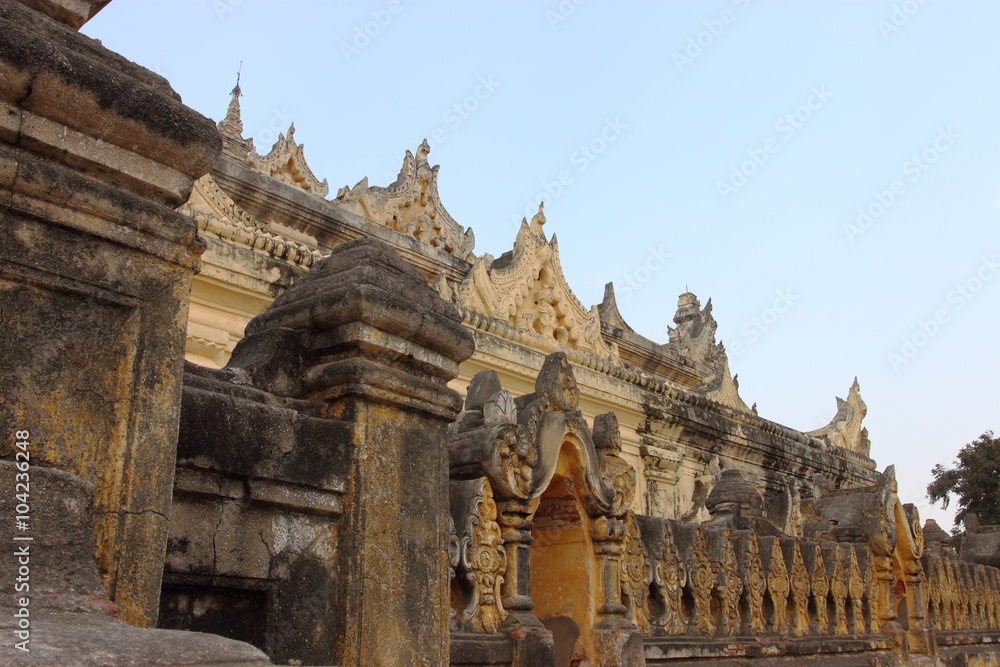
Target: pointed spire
231 127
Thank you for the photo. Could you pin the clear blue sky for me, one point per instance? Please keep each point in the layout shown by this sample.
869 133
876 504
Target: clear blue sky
740 137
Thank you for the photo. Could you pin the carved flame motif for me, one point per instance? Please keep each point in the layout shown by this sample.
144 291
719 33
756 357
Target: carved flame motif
287 163
856 591
526 289
701 581
799 580
730 588
820 584
934 594
670 579
778 586
412 206
838 588
484 563
756 586
634 579
871 594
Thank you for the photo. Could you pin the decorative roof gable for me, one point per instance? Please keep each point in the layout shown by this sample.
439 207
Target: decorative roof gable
411 205
526 289
286 162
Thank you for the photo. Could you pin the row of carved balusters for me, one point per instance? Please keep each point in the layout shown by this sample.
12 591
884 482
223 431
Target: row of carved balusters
709 582
960 595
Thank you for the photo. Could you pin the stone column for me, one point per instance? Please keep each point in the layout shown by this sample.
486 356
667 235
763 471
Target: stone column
378 347
95 271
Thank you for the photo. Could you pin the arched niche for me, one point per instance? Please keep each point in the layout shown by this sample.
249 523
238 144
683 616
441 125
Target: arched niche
565 576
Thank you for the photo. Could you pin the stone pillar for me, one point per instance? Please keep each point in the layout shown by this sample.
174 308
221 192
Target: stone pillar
95 271
532 642
378 346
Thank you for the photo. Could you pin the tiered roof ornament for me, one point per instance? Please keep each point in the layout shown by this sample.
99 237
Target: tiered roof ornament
231 129
286 162
526 289
411 205
694 341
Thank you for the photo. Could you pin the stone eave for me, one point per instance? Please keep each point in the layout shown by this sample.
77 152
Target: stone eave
743 437
326 222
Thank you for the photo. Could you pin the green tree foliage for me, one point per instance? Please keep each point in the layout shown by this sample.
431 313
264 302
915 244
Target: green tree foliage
975 479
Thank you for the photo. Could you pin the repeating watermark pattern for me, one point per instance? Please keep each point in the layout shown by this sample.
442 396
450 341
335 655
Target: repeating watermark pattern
562 12
714 28
22 540
913 169
764 321
223 7
580 159
786 127
957 299
461 111
901 14
656 258
363 35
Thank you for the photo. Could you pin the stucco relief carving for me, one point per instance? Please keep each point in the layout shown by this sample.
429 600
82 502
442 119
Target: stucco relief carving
411 205
285 162
845 429
481 562
525 288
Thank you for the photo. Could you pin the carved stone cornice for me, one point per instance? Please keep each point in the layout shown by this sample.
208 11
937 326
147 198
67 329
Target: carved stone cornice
215 212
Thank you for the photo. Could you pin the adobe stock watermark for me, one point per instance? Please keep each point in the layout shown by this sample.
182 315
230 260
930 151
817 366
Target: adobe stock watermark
913 169
363 35
223 7
456 115
581 159
562 12
759 324
901 14
280 121
786 127
633 281
703 39
956 299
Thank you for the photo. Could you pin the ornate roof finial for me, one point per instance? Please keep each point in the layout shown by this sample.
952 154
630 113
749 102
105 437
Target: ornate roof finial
538 220
231 127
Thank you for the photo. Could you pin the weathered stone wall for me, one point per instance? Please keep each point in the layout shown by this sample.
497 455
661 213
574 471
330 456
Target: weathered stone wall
95 271
311 479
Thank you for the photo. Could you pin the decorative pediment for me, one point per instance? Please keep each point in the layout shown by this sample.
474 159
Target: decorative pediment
411 205
526 289
287 163
845 429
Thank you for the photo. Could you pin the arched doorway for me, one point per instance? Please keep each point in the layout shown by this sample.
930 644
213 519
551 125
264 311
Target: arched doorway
564 573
